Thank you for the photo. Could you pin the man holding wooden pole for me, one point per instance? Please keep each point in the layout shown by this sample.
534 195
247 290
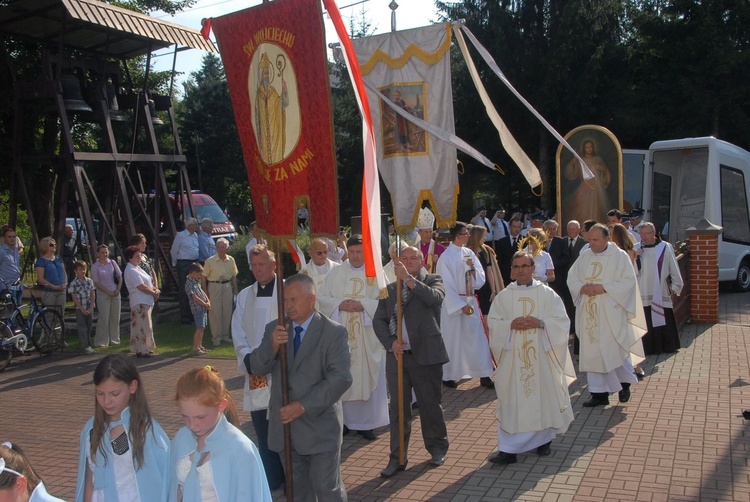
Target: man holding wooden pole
421 352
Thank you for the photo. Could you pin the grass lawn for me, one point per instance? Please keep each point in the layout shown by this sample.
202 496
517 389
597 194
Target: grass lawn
172 339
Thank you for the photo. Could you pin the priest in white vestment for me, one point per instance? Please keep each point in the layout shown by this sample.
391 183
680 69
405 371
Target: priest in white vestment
256 307
347 298
463 332
658 278
319 265
529 336
609 317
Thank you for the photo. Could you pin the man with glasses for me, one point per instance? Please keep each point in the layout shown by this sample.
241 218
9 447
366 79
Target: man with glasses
463 332
529 337
10 264
319 265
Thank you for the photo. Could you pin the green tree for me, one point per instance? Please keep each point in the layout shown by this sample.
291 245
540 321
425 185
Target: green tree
209 135
691 65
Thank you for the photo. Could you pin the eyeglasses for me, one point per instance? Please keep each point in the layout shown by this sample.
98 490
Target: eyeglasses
516 267
51 245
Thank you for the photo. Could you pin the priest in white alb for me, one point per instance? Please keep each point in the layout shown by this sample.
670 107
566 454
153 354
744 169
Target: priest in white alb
347 298
658 279
529 336
319 265
463 332
609 317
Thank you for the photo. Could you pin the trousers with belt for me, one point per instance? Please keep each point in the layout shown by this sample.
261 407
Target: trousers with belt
220 315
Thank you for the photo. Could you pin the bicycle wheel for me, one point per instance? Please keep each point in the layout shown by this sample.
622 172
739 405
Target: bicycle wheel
48 331
17 320
6 349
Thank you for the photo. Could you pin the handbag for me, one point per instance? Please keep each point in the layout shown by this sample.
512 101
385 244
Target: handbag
115 275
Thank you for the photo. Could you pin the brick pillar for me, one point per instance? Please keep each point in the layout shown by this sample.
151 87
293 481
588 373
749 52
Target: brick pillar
704 272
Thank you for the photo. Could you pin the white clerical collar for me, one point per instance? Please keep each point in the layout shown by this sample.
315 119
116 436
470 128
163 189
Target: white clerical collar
355 268
533 282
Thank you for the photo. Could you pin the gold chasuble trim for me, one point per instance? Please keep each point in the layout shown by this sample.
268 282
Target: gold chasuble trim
412 50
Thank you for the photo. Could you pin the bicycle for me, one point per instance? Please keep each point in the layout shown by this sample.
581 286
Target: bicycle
10 343
44 326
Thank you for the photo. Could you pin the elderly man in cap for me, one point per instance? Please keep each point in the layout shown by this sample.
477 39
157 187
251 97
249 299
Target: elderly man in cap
184 252
431 250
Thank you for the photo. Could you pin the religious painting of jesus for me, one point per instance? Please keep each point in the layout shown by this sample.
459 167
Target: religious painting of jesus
401 137
580 199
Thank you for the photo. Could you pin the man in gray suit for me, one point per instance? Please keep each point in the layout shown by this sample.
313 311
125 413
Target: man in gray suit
318 362
423 353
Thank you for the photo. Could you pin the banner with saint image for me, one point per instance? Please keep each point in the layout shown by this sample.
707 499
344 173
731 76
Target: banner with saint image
412 69
274 56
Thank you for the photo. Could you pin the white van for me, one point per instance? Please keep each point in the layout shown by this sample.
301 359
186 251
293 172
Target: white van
689 179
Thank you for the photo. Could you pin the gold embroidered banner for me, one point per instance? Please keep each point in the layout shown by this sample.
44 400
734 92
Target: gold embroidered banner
275 60
412 69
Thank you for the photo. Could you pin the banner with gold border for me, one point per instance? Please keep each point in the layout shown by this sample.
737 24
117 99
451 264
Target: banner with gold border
412 69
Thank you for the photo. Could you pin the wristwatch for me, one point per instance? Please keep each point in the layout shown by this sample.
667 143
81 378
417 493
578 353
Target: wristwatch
541 324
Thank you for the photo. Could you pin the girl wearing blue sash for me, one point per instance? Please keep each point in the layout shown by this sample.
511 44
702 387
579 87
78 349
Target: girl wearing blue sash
123 452
211 459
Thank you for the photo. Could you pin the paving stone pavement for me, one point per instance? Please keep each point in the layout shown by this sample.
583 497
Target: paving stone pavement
680 438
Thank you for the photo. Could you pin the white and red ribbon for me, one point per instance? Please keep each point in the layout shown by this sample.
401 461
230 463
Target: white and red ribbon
370 185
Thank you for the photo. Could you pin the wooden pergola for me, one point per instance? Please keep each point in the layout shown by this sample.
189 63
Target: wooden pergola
88 42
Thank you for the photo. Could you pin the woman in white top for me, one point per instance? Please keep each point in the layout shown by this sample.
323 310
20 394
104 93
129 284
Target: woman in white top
143 293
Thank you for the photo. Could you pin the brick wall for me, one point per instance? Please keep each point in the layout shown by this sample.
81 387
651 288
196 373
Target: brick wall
704 273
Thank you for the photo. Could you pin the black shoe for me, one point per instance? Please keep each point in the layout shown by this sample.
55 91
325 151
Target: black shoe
746 414
345 431
415 405
368 435
639 374
487 382
437 459
624 394
391 469
504 458
450 383
597 400
544 450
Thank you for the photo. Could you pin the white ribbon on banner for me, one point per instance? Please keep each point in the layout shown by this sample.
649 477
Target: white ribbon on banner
436 131
587 174
524 163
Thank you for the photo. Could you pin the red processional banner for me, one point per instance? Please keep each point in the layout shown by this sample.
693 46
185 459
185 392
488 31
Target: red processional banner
274 56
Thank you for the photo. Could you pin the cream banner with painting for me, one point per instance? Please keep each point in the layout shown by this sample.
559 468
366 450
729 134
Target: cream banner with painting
412 69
